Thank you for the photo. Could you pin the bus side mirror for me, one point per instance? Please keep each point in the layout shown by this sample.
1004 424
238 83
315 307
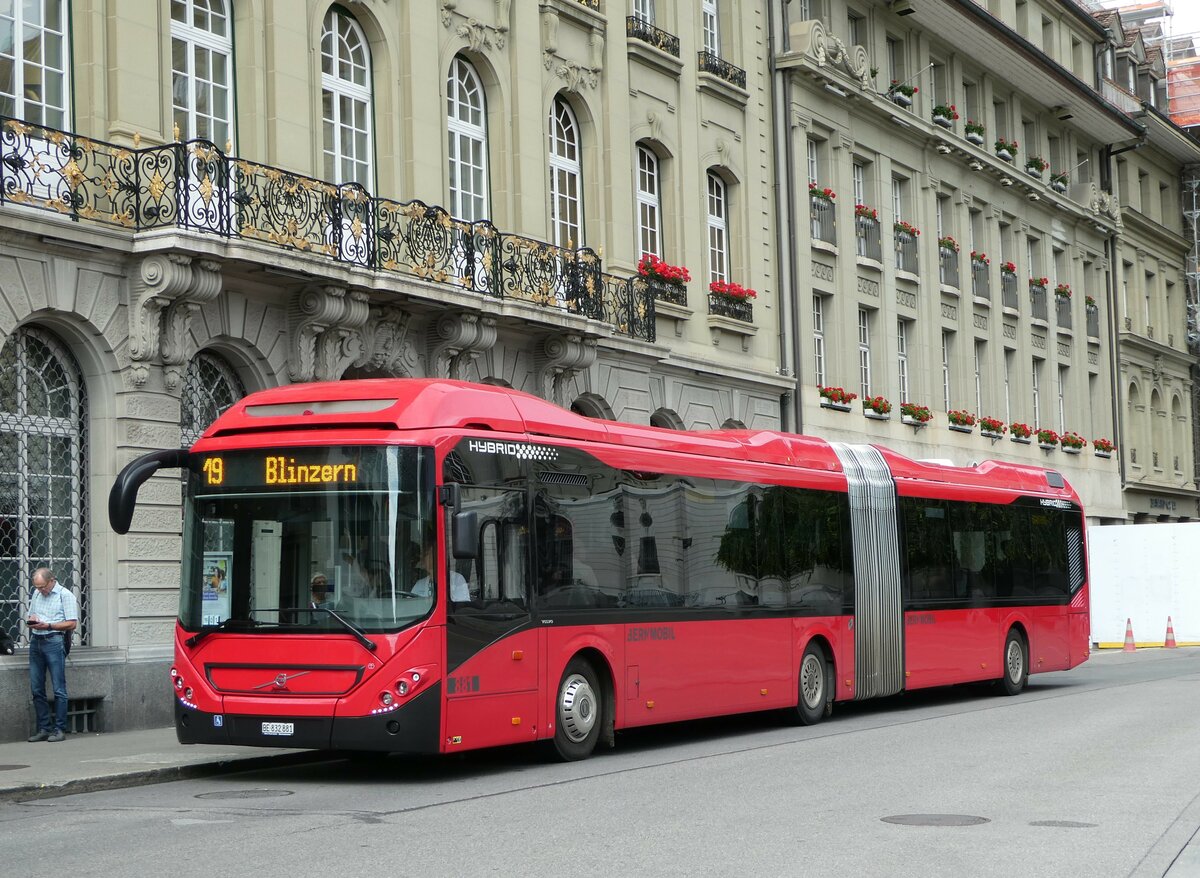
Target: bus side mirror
465 535
123 496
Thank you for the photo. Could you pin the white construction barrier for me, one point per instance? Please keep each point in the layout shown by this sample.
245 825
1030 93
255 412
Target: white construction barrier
1145 573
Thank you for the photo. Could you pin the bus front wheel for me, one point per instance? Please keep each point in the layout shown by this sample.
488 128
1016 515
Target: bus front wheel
1016 663
578 712
815 700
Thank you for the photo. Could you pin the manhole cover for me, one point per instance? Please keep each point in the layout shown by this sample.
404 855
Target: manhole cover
12 767
1064 824
246 794
935 820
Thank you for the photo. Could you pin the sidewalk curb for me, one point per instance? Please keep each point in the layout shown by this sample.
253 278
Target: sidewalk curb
145 777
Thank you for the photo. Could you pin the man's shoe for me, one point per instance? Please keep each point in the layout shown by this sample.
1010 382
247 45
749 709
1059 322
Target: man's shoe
56 737
38 736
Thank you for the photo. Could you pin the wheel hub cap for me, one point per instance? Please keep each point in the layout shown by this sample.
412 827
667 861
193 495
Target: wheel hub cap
577 708
812 684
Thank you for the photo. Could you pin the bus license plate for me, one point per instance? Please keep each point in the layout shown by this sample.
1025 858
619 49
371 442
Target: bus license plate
278 728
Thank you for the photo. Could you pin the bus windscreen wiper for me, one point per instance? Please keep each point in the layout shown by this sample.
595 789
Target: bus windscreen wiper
206 630
358 633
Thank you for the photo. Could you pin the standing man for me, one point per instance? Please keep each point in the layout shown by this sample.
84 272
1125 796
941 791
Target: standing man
52 613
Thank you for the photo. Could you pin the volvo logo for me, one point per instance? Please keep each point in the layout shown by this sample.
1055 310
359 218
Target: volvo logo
281 680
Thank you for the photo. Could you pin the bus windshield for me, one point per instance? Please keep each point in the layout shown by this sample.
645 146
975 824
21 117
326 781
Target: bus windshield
307 539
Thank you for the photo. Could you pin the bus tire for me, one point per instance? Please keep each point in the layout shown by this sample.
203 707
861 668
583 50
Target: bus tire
578 711
1015 663
815 700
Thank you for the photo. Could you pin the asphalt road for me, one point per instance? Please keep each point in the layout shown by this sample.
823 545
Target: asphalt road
1094 772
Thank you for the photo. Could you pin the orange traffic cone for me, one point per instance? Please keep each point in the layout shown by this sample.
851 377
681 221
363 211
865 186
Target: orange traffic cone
1170 644
1129 645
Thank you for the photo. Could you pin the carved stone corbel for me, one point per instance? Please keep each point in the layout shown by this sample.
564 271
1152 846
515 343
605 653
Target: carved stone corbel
384 343
457 339
161 278
206 285
557 360
323 329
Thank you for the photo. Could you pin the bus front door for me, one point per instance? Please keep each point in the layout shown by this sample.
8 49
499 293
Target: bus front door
491 647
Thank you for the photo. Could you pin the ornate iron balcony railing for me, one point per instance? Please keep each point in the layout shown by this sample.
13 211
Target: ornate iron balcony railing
720 67
196 186
737 309
642 30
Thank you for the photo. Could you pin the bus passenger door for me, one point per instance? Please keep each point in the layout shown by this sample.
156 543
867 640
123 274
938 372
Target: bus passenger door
491 647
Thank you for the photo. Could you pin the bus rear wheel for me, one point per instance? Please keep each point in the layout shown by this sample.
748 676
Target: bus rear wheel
1016 663
578 712
815 701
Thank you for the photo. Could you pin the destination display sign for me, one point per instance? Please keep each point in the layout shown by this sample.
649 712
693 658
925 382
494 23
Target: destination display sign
367 467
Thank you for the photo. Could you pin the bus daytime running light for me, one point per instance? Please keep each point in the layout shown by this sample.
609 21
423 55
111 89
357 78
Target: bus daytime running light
179 682
188 693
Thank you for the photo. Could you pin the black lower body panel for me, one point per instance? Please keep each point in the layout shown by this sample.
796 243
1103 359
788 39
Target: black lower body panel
413 728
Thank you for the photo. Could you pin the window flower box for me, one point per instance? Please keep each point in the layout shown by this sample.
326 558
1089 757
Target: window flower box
903 227
1059 182
1090 303
821 193
961 421
1047 439
1103 448
992 428
861 211
947 243
901 94
1009 268
973 132
877 408
978 258
915 415
654 269
1062 291
1072 442
836 398
1020 432
944 115
1035 165
1006 149
1038 283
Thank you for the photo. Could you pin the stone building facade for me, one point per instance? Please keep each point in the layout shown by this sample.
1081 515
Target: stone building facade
202 198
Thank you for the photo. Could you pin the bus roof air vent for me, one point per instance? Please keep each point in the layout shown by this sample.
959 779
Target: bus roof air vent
319 407
1054 479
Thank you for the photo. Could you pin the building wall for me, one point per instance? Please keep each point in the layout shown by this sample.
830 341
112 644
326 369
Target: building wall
137 298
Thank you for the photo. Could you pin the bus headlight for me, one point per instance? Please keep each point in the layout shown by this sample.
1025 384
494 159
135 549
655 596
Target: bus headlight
402 687
386 698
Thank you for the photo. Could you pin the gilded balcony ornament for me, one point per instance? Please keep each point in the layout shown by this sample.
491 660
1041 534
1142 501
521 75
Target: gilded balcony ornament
157 186
206 189
19 129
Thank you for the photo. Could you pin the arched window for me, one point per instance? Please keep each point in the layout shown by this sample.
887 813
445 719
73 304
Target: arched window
34 52
649 202
566 172
209 388
202 70
346 100
43 471
718 229
466 119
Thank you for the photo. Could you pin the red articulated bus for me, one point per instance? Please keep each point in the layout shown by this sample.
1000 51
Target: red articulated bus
492 569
